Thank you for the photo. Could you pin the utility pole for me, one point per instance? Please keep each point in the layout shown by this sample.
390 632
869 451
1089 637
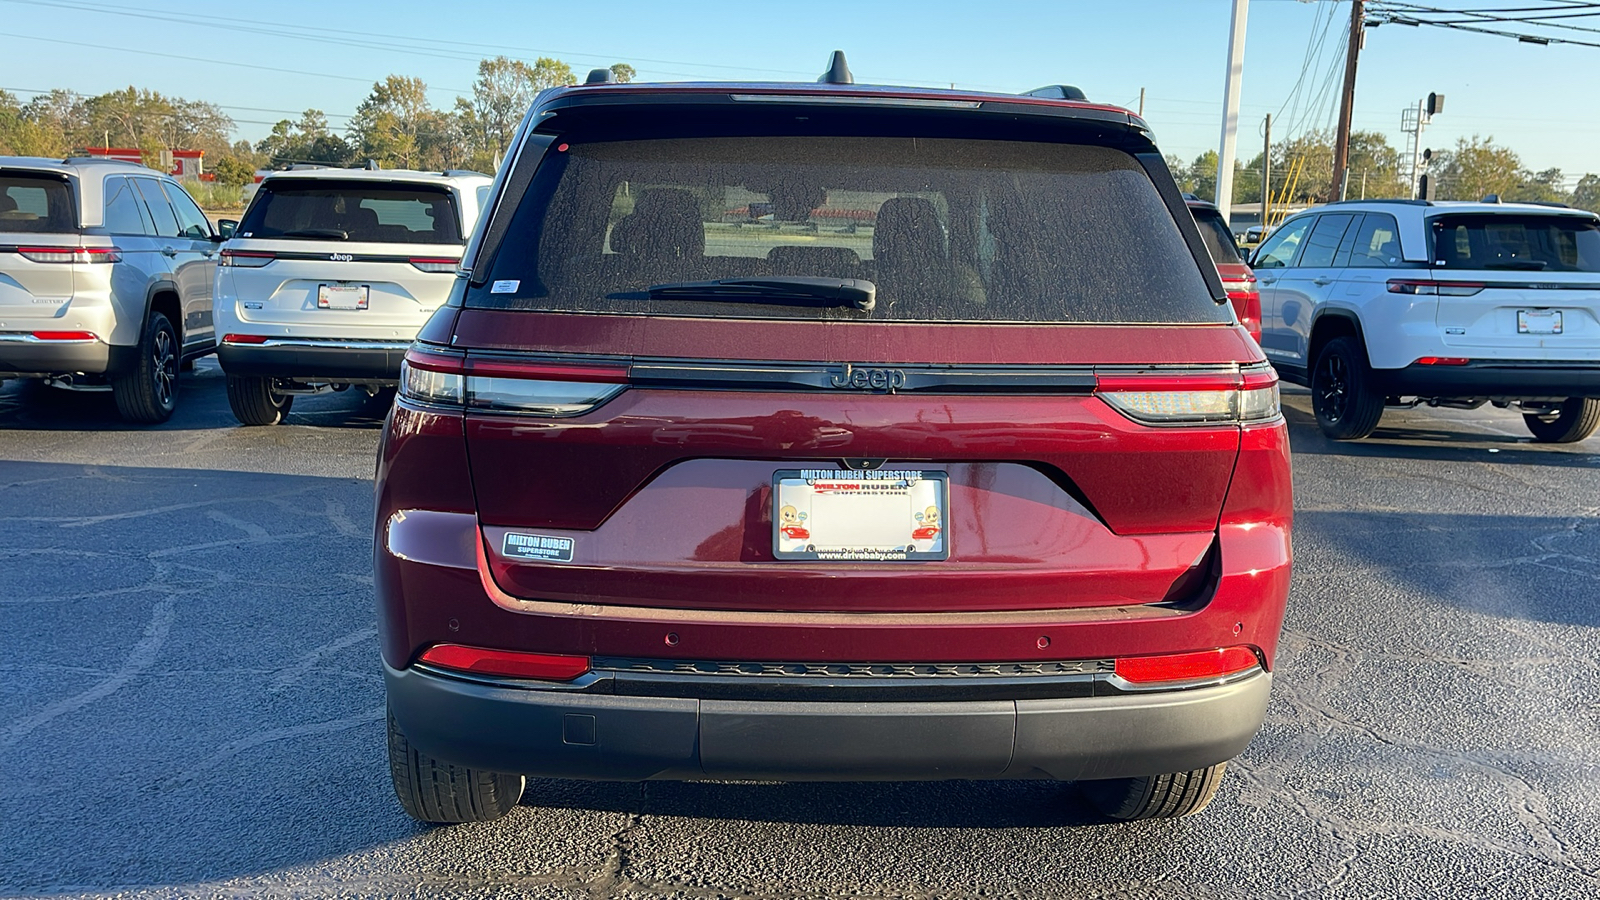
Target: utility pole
1266 176
1230 108
1347 100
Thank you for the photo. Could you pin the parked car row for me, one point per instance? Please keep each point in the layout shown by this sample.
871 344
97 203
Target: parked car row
112 279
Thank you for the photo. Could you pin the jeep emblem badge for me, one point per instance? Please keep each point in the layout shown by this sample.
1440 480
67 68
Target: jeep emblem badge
341 257
868 379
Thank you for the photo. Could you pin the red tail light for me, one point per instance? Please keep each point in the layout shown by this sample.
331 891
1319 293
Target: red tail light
511 664
508 386
244 339
1246 300
245 259
1432 288
431 264
1199 399
76 336
1443 361
71 254
1204 664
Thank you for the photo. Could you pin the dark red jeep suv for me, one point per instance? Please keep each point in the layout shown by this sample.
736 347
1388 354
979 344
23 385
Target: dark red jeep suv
830 432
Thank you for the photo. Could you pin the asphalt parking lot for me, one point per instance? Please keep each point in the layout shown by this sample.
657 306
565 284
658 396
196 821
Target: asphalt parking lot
193 705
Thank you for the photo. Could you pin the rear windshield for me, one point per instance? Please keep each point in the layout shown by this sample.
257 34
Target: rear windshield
1535 243
325 210
1219 240
945 229
35 204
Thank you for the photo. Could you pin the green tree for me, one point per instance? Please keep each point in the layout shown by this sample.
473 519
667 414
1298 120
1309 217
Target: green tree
1203 176
233 170
1477 167
305 141
396 126
1587 194
623 72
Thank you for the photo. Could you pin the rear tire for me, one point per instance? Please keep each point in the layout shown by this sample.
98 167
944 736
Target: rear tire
1342 395
255 402
1574 420
442 793
149 393
1156 796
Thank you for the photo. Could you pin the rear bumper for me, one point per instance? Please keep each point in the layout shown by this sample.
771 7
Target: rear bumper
316 360
23 354
1493 378
566 732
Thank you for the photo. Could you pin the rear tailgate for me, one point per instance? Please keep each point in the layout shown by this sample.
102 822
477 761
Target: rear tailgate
642 431
282 282
36 214
1518 286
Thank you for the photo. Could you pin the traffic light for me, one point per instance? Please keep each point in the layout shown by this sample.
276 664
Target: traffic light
1427 157
1435 104
1424 187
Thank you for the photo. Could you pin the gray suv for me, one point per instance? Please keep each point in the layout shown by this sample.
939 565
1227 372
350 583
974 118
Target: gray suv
106 271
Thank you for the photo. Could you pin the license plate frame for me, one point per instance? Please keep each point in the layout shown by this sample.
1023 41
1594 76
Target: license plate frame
1534 321
872 516
348 297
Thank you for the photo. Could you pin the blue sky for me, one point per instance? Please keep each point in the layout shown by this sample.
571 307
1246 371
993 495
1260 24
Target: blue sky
288 55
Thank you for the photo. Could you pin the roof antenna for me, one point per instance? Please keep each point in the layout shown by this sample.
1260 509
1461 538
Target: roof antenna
838 72
600 76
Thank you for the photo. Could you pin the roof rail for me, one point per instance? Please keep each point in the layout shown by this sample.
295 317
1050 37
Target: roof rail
600 76
100 161
838 72
1058 92
1495 198
453 173
300 167
1399 201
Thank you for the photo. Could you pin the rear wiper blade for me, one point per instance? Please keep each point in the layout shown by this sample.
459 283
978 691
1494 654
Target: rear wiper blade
1527 265
333 233
796 290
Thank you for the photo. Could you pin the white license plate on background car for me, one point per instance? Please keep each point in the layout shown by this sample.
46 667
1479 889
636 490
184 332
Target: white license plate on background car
1538 321
871 516
342 296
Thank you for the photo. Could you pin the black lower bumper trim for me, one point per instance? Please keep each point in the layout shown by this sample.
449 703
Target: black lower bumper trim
312 363
1492 378
531 731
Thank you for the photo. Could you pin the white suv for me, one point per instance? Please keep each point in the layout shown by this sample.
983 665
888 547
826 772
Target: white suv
1398 302
328 276
105 280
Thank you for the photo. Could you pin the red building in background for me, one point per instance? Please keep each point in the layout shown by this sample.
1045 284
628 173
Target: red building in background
177 163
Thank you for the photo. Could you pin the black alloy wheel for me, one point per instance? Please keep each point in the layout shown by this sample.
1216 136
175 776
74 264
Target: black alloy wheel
1346 406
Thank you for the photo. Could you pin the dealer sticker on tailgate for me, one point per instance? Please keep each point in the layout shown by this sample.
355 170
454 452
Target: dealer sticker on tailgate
537 547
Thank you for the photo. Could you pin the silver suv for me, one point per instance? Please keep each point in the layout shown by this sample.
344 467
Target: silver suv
105 279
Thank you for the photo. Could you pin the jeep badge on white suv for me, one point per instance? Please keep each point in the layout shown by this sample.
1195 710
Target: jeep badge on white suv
329 275
1381 303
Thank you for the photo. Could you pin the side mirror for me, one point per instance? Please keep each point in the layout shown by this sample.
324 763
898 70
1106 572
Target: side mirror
226 228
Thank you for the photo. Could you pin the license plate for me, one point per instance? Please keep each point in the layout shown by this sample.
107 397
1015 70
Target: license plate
1538 321
873 516
342 296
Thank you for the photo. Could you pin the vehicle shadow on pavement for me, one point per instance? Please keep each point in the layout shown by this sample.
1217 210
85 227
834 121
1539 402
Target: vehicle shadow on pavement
202 403
1424 439
872 804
